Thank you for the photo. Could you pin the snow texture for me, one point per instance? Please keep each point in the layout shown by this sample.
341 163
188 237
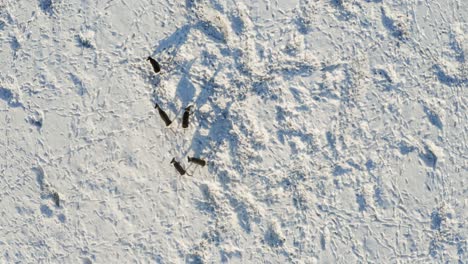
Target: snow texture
334 131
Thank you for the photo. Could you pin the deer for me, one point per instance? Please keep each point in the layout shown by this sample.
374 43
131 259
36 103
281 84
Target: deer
163 115
197 161
185 117
179 167
155 64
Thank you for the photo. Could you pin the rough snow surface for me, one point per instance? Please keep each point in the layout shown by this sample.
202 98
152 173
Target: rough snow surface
335 131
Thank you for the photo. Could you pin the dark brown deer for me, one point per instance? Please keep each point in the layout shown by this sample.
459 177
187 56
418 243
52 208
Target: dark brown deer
179 167
163 115
56 198
155 64
197 161
185 117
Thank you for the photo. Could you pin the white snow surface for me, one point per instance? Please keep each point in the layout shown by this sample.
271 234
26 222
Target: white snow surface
335 131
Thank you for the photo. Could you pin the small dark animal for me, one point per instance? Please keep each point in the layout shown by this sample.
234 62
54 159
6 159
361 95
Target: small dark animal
197 161
155 64
56 198
185 117
163 115
178 167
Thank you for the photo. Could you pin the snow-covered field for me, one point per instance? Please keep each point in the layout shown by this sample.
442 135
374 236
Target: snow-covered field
335 131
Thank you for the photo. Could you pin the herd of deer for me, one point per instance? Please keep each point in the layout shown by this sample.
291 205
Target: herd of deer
168 122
